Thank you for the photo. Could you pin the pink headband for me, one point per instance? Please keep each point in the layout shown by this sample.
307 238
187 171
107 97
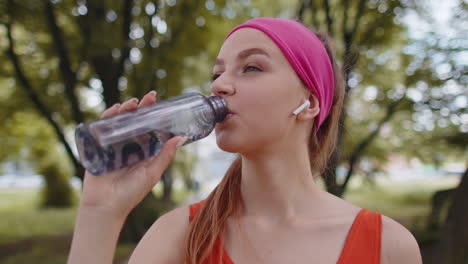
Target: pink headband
306 54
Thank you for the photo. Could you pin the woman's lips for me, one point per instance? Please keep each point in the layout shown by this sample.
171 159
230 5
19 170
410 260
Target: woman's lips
228 116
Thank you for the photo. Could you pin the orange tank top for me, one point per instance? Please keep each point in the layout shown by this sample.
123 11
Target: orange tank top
362 243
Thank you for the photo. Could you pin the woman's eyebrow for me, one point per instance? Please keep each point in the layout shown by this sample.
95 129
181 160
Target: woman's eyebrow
248 52
244 54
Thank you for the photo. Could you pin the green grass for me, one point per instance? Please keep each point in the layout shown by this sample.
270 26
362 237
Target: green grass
52 251
22 218
32 235
17 199
35 223
41 251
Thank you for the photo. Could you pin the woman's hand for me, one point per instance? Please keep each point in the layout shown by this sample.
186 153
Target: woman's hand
118 192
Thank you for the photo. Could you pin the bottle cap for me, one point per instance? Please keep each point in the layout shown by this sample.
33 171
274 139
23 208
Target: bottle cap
219 107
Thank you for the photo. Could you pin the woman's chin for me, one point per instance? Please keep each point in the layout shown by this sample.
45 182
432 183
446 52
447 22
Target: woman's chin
227 144
227 147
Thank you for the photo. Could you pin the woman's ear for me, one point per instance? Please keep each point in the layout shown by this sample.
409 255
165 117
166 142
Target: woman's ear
311 111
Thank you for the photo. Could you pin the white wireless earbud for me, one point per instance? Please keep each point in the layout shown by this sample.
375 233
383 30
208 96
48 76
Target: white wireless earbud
302 107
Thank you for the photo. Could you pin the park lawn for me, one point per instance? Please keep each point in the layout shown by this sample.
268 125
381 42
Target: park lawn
22 218
32 235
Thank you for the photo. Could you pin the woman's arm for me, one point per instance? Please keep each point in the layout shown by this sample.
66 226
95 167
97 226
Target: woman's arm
95 236
398 245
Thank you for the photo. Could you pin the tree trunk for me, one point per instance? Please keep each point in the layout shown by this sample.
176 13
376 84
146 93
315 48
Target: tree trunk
57 193
438 200
149 210
140 219
65 69
452 247
167 181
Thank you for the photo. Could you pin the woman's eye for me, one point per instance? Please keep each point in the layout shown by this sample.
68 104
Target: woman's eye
251 68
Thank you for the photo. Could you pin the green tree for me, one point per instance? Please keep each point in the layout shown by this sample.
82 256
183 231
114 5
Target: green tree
88 55
384 67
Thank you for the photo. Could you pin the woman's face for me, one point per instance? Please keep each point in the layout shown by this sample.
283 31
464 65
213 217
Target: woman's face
261 90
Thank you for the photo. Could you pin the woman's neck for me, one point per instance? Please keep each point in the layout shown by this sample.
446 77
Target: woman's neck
279 184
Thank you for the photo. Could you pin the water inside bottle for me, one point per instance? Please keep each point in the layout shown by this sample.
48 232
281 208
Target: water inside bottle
126 152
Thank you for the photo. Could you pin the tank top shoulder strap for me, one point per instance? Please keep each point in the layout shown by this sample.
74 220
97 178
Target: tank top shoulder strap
194 208
363 243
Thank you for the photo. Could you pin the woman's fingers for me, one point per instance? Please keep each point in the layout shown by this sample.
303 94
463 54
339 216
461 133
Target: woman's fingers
113 110
148 99
119 108
129 105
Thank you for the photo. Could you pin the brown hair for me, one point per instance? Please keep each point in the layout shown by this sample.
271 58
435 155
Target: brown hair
225 199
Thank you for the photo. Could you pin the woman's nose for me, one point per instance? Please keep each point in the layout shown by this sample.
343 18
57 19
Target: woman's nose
221 86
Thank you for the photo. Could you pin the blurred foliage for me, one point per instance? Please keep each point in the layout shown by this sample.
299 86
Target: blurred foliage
406 88
69 60
78 57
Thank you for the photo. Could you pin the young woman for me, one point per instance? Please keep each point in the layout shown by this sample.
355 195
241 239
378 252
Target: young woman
285 93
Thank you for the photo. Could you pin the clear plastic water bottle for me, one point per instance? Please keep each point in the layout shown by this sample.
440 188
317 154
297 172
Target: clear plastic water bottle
118 141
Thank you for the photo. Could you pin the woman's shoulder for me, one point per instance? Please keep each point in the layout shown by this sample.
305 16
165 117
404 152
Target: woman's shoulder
398 244
164 241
